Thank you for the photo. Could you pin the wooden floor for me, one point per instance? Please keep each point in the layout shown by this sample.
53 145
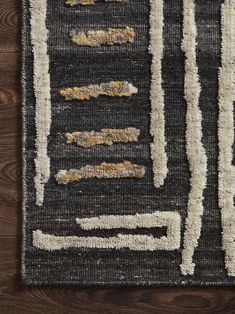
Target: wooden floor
16 298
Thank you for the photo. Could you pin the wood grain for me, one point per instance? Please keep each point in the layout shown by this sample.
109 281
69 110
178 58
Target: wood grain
14 296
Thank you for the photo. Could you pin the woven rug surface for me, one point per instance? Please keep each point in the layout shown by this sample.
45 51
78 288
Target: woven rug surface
128 142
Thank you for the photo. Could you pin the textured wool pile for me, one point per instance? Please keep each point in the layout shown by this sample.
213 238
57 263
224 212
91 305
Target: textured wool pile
128 142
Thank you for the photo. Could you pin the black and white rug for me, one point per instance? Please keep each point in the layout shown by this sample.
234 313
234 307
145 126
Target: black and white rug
128 142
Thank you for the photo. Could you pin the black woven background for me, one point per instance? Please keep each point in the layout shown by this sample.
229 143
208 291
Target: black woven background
71 65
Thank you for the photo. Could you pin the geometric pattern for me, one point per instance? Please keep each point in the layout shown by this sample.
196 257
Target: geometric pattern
128 137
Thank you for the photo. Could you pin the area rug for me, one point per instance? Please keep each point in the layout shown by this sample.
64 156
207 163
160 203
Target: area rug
128 142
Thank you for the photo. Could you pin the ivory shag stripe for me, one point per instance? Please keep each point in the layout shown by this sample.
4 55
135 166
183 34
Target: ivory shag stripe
226 134
157 126
89 2
126 169
41 80
195 151
134 242
112 89
156 219
105 137
112 36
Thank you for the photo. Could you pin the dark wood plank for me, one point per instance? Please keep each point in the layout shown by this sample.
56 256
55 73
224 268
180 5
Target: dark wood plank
14 296
9 25
10 158
9 69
